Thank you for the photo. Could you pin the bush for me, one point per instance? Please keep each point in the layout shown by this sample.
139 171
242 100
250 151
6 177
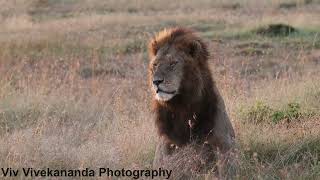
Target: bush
261 112
276 30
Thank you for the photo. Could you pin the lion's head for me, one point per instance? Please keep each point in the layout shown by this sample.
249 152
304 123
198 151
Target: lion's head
176 58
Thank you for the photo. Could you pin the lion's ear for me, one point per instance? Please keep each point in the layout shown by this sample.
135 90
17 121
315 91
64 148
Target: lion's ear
198 50
153 47
195 48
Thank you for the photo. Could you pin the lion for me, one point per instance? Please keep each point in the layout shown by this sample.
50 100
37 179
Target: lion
187 105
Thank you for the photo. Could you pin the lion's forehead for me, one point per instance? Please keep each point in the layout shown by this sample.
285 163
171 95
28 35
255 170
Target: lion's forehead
167 51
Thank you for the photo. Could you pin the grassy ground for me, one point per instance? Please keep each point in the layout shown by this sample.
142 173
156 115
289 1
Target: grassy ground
73 90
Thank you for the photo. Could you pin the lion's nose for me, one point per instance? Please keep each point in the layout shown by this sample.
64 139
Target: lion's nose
157 81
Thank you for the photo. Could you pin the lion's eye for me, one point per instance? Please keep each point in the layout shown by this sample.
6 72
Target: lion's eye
155 65
173 63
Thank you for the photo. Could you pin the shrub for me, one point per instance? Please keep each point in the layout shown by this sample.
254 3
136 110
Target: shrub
276 30
261 112
290 113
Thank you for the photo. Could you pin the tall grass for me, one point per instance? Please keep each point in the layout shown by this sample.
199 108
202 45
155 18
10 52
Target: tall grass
74 93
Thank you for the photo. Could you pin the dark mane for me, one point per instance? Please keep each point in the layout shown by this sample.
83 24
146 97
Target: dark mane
182 38
173 117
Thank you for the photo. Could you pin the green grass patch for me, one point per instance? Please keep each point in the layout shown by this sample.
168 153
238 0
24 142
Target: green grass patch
284 35
263 113
260 112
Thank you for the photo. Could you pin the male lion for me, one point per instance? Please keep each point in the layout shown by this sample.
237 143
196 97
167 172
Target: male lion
187 104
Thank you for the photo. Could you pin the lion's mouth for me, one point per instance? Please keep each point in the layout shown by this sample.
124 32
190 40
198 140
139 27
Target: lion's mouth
163 91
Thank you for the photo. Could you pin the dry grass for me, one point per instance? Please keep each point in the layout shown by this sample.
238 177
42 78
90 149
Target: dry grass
73 90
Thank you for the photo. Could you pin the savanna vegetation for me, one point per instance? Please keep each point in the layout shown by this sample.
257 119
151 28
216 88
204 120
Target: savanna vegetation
74 93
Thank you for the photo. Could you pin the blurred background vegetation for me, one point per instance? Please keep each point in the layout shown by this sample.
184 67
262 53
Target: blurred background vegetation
74 93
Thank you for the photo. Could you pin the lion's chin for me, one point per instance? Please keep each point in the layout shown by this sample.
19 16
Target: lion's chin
162 96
